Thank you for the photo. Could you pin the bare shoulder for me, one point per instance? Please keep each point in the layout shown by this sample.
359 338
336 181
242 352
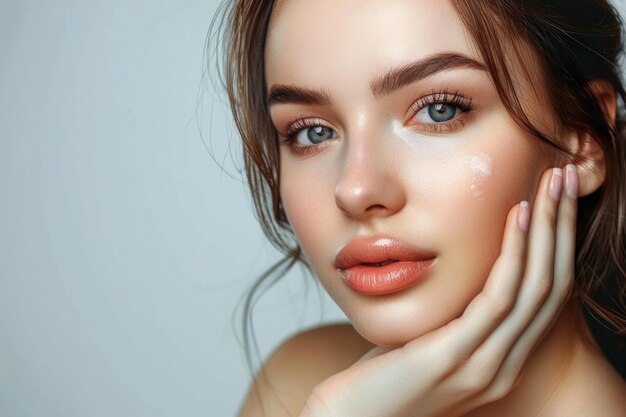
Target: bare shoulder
594 388
299 364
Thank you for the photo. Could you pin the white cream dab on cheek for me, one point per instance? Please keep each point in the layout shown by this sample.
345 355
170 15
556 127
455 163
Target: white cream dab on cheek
481 169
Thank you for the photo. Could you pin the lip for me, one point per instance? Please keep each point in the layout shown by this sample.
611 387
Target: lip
402 265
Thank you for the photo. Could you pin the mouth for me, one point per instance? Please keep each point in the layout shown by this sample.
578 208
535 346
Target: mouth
379 263
382 265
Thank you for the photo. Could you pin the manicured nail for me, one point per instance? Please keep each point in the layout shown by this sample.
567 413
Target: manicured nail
571 181
556 183
523 216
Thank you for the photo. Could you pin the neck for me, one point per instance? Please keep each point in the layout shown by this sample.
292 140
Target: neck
547 368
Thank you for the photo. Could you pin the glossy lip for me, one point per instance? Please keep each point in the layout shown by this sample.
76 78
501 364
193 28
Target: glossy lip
382 265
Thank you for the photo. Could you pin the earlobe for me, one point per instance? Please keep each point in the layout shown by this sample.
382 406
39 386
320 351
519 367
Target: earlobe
590 161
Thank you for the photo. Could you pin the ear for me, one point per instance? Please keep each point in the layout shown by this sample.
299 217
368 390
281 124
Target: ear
590 161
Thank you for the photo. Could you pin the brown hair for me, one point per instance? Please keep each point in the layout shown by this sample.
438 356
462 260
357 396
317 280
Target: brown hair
575 42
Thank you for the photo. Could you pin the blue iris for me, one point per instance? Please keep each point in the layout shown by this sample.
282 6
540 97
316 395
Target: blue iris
319 134
441 112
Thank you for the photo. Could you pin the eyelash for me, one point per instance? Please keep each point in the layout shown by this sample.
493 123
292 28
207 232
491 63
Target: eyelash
455 99
299 125
294 129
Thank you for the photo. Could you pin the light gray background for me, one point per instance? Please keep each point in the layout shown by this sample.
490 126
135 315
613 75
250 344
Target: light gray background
124 246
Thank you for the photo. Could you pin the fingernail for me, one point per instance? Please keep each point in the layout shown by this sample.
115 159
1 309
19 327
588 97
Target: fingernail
571 181
556 183
523 216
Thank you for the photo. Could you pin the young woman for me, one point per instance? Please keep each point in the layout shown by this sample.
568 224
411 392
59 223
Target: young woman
453 173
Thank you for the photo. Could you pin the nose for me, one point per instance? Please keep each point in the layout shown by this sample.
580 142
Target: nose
370 184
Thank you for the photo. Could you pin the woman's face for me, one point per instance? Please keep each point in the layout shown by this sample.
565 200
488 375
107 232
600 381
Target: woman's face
404 138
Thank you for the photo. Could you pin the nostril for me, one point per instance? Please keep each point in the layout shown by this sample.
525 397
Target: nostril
375 207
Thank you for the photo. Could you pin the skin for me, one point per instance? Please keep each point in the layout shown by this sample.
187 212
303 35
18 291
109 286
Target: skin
430 194
386 170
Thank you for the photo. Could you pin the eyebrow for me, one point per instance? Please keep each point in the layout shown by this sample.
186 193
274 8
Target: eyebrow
393 80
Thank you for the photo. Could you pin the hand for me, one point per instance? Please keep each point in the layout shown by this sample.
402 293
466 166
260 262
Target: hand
476 358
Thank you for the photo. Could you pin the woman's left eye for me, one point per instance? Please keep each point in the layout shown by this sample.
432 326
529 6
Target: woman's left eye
438 113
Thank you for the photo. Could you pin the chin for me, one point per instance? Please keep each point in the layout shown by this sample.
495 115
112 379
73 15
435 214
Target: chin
394 330
386 339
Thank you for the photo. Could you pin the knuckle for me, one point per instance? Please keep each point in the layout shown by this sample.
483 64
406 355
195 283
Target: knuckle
543 287
550 212
517 255
442 366
501 389
510 259
478 376
453 363
481 381
501 306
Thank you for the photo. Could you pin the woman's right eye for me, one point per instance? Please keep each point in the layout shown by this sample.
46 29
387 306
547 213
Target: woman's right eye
314 135
308 133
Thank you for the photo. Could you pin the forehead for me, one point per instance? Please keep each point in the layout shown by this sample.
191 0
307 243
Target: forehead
321 42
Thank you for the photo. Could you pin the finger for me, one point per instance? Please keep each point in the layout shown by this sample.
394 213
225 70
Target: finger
536 283
541 250
539 274
563 282
566 233
459 338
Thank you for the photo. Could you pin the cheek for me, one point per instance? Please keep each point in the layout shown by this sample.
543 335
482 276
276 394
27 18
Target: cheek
467 210
308 202
481 169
